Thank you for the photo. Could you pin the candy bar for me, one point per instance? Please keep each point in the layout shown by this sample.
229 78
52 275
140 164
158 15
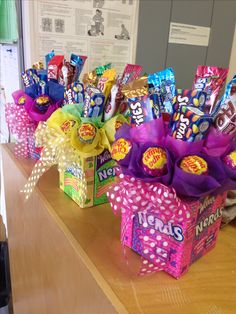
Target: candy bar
116 98
29 77
54 67
143 109
74 93
49 57
163 85
210 80
78 63
93 102
106 82
190 124
66 74
188 97
225 117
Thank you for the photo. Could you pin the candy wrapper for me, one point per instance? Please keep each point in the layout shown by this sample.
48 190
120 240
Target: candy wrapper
210 80
190 124
116 100
94 101
78 63
74 93
163 85
188 97
106 81
142 106
80 147
169 233
225 113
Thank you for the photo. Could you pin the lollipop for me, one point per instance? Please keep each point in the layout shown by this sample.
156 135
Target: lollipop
120 150
42 103
194 165
154 161
87 133
230 160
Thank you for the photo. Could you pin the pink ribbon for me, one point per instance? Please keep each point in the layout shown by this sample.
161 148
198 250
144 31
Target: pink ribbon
132 196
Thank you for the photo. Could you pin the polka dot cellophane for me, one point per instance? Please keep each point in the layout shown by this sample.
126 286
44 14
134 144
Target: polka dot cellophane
131 196
21 127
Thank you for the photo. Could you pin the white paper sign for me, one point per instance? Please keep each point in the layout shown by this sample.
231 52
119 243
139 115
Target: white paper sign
103 30
189 34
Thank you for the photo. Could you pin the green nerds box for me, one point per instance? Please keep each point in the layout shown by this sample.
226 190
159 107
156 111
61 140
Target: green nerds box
100 173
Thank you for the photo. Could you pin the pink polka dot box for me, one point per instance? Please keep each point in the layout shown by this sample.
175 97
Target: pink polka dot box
168 233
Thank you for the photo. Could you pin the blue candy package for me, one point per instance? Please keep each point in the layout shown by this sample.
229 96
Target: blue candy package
29 77
55 91
163 85
93 102
32 90
42 84
48 57
143 109
230 90
74 93
77 62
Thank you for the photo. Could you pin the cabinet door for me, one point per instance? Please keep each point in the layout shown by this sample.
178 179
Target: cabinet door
185 58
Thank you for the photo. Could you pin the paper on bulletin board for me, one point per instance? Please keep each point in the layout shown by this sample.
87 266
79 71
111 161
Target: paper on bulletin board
103 30
189 34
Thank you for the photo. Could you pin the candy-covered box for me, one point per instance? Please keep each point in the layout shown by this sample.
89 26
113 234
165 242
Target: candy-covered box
169 233
93 176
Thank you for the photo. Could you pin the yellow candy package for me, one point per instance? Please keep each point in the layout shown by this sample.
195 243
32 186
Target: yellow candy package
106 81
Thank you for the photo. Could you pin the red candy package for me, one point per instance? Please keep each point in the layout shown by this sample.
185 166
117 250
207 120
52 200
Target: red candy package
54 67
210 80
66 74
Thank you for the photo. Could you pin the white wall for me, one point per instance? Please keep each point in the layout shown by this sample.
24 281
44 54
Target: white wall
232 63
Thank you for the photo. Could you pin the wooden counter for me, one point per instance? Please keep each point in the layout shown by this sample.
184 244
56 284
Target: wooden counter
68 260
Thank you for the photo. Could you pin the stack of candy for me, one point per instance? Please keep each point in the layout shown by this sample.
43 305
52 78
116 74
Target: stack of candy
177 161
78 136
43 93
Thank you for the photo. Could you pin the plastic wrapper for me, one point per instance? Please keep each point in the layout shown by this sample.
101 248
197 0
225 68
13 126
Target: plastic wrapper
188 97
116 98
163 85
210 80
225 115
93 102
190 124
74 93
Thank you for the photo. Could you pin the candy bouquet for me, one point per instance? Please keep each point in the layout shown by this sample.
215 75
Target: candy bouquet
43 93
176 161
78 136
